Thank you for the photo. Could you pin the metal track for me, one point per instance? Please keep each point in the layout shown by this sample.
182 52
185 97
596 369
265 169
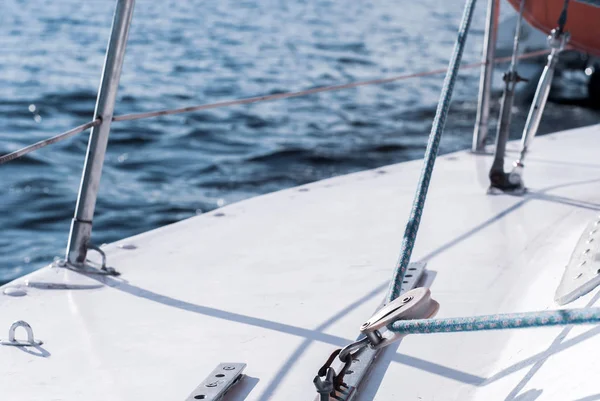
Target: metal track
363 360
218 382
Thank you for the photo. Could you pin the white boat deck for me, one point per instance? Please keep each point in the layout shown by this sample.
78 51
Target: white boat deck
280 281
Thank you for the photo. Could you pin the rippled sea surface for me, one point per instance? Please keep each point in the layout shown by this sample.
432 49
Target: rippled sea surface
182 53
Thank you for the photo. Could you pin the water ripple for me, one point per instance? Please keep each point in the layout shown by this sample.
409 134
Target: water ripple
182 53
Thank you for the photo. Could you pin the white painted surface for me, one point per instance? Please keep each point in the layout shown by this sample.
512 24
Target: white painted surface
281 280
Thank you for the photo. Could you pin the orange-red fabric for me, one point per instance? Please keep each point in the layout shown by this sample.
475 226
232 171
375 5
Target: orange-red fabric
583 21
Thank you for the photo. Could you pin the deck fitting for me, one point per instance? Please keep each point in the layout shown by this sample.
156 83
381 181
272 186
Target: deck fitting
218 382
12 340
582 274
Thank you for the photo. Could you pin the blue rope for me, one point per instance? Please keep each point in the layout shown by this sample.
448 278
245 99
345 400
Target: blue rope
559 317
410 233
489 322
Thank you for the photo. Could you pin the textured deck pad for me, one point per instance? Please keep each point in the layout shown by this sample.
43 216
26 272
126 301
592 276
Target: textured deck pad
582 274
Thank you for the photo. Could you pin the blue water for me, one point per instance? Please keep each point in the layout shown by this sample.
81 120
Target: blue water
190 52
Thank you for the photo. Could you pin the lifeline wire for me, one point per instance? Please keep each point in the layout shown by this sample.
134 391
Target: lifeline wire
137 116
287 95
560 317
27 149
437 129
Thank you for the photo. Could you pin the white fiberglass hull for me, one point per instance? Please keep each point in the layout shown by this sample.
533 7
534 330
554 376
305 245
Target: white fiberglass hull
279 281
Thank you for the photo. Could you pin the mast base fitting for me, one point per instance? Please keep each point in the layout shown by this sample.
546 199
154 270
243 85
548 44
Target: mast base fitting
507 183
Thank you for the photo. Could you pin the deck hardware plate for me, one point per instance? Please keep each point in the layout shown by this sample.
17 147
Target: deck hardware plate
90 267
363 359
218 382
582 274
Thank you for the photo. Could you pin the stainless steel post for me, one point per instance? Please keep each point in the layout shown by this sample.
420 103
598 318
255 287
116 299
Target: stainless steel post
498 178
485 81
81 226
557 41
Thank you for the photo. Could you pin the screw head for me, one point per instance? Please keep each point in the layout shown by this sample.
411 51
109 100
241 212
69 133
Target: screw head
212 384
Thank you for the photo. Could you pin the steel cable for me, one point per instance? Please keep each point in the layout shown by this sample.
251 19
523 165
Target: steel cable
137 116
287 95
60 137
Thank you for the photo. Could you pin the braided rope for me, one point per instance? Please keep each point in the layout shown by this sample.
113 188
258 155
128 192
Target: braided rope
560 317
412 226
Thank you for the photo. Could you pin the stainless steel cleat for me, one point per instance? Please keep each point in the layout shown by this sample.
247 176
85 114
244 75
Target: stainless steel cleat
413 304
